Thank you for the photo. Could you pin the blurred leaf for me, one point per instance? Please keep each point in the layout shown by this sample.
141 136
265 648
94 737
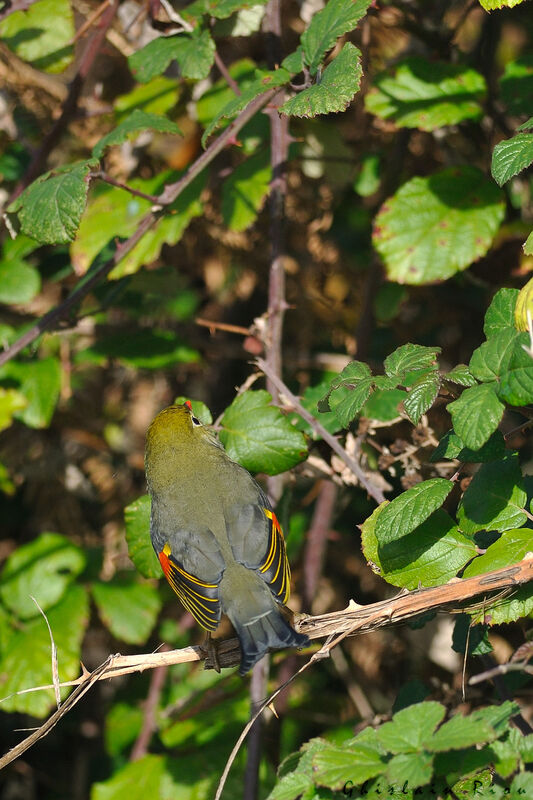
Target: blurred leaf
500 313
50 209
491 5
40 383
436 226
220 9
309 400
44 569
528 245
27 662
128 608
337 18
41 34
451 446
217 96
19 282
243 22
138 780
157 96
461 375
368 181
195 54
512 156
258 436
149 349
494 499
407 511
516 85
6 484
11 401
136 122
244 191
122 726
430 555
476 415
427 94
336 89
140 550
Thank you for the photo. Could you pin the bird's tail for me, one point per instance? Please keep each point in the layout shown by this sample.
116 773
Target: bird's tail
260 625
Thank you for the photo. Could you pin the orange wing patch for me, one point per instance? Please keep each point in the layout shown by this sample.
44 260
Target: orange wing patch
275 568
200 598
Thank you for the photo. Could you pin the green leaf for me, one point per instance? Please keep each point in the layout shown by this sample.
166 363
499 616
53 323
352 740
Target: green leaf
149 349
244 192
50 209
336 19
137 121
19 282
461 375
216 97
475 636
460 732
430 555
476 415
436 226
258 436
199 409
516 85
128 608
43 569
406 512
451 446
521 787
491 5
157 96
195 54
11 401
500 313
511 156
332 765
366 184
411 727
427 94
39 382
491 359
138 780
220 9
337 88
495 499
528 245
383 404
27 661
349 391
122 726
263 83
421 396
140 550
516 384
41 34
410 357
309 401
410 769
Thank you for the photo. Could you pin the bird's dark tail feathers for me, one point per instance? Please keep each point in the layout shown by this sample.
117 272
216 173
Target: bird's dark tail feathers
258 635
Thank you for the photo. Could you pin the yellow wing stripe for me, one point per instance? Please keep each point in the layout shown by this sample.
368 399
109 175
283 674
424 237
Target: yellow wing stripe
275 568
198 597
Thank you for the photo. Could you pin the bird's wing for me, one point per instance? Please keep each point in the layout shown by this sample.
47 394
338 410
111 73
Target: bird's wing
257 542
193 565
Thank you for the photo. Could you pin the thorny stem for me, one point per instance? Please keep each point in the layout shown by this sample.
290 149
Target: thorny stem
103 176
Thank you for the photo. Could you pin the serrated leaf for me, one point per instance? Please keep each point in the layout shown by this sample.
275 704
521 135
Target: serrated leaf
41 34
337 18
349 391
476 415
511 156
421 396
516 383
410 769
245 190
461 375
410 357
430 555
500 313
427 94
140 550
50 209
43 569
333 764
451 446
127 607
509 549
27 662
137 121
40 383
262 84
410 727
460 732
258 436
436 226
491 5
195 54
383 404
406 512
491 359
337 88
494 499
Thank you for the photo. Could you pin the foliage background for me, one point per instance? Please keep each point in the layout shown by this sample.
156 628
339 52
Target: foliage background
395 231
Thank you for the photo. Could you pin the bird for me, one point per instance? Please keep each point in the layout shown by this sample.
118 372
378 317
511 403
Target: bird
217 538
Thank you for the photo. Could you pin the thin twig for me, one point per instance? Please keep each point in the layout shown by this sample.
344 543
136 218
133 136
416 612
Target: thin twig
316 540
53 649
373 491
103 176
91 19
222 68
222 326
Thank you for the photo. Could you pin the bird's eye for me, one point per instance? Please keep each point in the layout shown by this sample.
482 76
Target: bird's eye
195 421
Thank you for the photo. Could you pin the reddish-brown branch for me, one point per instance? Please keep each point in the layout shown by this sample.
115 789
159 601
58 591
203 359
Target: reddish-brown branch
316 540
142 743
